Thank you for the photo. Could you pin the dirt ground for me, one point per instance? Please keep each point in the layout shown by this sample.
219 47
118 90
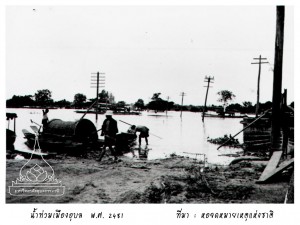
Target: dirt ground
171 180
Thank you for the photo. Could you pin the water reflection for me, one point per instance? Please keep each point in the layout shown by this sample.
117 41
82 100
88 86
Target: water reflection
179 134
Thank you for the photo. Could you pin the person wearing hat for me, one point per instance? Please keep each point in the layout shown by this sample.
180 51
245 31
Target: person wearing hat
109 131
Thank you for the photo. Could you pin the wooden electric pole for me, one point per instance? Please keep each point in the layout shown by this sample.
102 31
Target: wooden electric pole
277 81
208 80
182 94
97 87
258 80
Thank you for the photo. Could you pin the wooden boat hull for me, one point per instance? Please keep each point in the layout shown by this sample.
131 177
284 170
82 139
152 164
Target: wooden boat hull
10 137
115 113
59 144
124 142
226 116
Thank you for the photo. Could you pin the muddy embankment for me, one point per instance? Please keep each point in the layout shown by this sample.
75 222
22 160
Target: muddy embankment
172 180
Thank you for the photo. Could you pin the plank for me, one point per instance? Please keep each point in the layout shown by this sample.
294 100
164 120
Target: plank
261 141
271 166
246 158
285 164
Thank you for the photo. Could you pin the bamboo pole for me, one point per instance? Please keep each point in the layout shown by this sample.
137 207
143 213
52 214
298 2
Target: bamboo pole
88 110
132 124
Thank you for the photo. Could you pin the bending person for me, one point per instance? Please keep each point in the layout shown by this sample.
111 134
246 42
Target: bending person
143 130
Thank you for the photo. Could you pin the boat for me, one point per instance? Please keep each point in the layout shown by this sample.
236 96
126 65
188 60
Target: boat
226 116
124 142
59 136
127 113
72 137
93 111
10 134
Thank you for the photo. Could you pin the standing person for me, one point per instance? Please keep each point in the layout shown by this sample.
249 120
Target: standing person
109 130
45 119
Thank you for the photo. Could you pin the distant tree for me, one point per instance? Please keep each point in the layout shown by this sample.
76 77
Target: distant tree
234 107
106 97
225 97
156 97
62 103
20 101
247 107
43 97
121 104
247 104
170 105
195 108
79 100
157 103
139 104
176 107
211 107
265 106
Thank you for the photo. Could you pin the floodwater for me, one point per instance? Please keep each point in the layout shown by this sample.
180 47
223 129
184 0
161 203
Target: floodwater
184 135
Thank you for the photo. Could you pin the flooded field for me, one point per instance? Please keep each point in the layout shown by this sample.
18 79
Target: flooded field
180 135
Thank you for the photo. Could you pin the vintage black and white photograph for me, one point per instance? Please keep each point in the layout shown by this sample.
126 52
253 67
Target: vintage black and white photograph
149 104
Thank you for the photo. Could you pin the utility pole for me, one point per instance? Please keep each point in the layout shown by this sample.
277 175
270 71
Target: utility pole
208 80
258 80
98 83
276 141
182 94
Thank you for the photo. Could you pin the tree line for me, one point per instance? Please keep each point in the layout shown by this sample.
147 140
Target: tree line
43 98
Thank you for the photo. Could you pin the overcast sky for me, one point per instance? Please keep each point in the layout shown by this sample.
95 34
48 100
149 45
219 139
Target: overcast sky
145 49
